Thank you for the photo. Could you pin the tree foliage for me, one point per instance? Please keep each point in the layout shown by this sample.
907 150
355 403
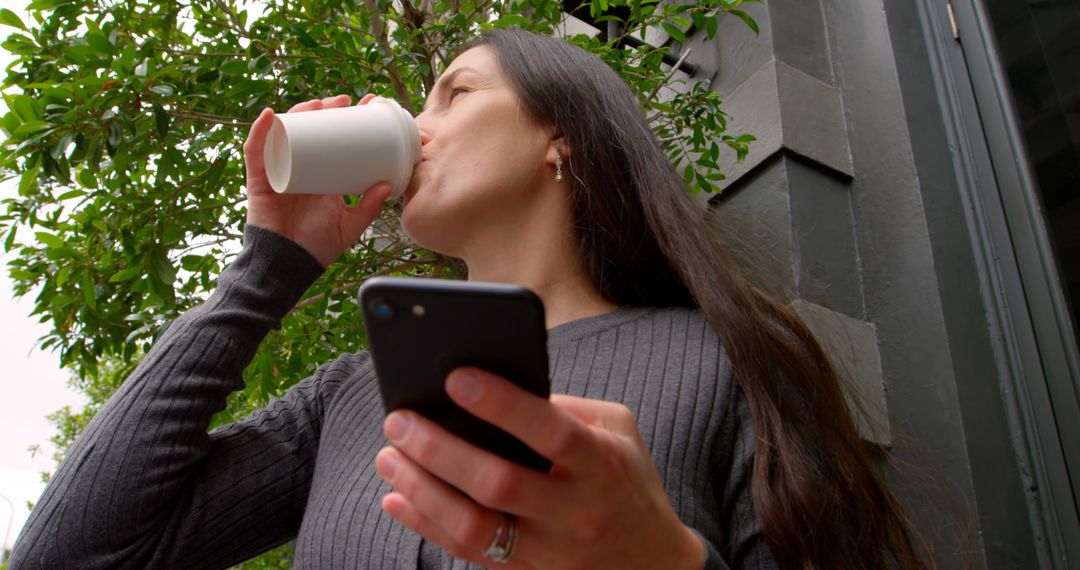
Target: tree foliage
126 120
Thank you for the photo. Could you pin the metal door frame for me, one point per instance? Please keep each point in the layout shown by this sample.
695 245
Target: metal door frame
1031 326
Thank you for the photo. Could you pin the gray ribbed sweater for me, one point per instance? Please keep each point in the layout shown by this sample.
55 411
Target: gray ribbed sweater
147 487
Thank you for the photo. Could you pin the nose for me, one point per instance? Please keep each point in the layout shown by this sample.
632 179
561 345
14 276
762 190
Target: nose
426 126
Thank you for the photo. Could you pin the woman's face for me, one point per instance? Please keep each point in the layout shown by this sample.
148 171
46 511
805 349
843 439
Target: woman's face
484 158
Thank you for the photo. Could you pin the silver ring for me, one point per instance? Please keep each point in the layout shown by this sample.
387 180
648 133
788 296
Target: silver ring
502 550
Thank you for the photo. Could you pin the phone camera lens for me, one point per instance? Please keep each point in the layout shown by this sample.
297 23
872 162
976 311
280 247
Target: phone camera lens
382 310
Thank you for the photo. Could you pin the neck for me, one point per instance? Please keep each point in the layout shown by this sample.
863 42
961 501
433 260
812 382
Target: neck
543 258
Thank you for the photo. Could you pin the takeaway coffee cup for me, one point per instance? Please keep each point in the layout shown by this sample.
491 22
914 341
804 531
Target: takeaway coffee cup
344 150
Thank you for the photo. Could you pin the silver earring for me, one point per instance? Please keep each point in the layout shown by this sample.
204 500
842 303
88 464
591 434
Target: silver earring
558 167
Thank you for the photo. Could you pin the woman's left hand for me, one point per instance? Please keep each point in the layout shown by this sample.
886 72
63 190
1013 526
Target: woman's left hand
602 504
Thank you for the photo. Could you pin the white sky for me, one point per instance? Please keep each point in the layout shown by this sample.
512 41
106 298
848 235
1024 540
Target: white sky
31 386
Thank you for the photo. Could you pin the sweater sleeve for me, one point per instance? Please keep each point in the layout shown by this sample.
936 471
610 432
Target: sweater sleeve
146 485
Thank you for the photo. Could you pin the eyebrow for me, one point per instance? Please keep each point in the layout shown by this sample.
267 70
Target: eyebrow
447 78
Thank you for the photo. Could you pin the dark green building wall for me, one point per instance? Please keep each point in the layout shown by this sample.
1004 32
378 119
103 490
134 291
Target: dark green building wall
852 203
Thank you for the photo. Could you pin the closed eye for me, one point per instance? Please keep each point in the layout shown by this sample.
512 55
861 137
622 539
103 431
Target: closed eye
455 91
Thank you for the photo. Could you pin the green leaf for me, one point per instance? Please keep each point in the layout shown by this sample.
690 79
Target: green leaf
29 183
698 19
161 120
9 18
191 262
25 107
162 89
674 32
23 275
49 239
213 174
711 24
89 295
234 68
98 41
125 64
115 134
59 300
86 179
164 270
126 274
60 148
746 20
62 252
70 194
10 241
247 87
30 127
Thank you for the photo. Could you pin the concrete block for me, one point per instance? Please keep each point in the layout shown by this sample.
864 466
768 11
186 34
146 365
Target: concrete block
754 107
787 109
788 226
852 347
813 119
799 36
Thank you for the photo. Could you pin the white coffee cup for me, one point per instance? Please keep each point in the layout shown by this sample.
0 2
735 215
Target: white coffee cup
344 150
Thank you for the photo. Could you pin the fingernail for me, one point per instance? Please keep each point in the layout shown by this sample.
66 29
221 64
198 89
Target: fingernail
387 465
397 426
464 386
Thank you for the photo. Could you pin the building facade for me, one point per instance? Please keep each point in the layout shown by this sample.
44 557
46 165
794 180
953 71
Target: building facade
914 193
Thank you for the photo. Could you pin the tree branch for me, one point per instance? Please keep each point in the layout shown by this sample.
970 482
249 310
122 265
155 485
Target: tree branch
344 24
417 19
234 18
667 80
378 29
210 118
235 55
353 284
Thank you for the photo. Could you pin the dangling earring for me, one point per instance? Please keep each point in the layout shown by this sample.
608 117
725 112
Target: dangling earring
558 167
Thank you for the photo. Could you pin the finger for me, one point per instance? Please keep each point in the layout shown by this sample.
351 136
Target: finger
313 105
598 413
398 506
488 479
368 97
357 218
253 146
549 429
336 101
459 518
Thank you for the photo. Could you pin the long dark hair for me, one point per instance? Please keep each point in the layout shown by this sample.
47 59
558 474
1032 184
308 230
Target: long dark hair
820 500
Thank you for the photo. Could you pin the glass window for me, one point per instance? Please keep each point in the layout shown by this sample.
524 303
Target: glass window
1039 44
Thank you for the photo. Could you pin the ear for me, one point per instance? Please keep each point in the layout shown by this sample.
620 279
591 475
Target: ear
557 146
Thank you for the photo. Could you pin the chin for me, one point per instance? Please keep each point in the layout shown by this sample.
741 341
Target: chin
425 229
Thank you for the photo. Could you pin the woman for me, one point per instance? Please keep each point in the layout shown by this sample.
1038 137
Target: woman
703 426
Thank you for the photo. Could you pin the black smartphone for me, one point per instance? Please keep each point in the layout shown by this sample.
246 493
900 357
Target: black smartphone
419 330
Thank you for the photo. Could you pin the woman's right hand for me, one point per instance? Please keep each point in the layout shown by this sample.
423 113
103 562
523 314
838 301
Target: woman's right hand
321 223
